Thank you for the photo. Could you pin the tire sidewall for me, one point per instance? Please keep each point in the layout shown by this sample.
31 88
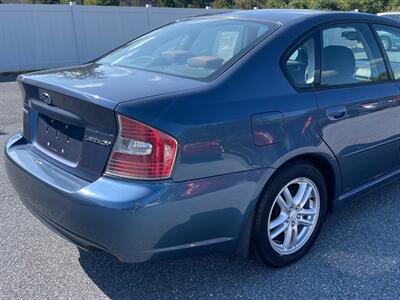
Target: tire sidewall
385 38
263 247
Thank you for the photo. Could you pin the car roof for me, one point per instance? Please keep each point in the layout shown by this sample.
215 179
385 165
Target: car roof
290 16
277 15
388 13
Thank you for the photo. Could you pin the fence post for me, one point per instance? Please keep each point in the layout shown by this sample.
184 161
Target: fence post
148 14
75 31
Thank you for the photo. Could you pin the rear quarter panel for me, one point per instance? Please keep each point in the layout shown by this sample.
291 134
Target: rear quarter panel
213 124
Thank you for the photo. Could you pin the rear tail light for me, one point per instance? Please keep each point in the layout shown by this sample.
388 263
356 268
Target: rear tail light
141 152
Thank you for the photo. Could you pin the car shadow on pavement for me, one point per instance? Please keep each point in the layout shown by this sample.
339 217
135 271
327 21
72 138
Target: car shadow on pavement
357 254
200 276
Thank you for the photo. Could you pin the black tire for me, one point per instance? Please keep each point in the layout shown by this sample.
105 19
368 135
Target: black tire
261 244
386 43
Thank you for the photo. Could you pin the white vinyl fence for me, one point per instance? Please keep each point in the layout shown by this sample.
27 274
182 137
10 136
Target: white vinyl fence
37 36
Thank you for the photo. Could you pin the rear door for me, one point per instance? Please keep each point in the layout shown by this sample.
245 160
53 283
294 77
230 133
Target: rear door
358 103
389 38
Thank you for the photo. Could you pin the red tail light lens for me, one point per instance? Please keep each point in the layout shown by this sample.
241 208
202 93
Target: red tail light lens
141 152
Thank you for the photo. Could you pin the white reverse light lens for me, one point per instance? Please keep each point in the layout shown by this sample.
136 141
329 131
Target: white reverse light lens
134 147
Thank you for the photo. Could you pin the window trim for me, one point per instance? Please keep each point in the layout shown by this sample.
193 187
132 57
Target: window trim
290 51
355 24
318 31
383 51
257 42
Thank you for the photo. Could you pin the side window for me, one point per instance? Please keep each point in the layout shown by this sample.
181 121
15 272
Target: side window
300 66
390 39
350 55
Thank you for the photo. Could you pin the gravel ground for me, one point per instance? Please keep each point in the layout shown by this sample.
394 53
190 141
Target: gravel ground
357 255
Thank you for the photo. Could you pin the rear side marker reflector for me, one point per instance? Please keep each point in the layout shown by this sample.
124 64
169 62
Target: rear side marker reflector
141 152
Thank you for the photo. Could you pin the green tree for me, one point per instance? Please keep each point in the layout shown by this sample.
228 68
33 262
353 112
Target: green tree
180 3
246 4
393 5
165 3
199 3
102 2
326 4
370 6
274 4
46 2
299 4
223 4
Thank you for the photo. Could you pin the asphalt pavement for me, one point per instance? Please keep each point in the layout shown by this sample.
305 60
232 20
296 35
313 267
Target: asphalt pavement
357 255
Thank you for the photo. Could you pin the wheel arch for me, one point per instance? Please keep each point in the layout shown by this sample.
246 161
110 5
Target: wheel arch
327 167
330 170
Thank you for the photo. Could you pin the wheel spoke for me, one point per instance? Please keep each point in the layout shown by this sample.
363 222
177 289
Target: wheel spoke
307 212
281 228
305 222
278 221
302 195
282 204
306 196
294 236
288 197
288 238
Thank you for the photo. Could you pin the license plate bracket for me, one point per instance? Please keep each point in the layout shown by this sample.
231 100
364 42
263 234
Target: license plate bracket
59 139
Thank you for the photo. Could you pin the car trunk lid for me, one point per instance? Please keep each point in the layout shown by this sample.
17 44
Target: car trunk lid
69 113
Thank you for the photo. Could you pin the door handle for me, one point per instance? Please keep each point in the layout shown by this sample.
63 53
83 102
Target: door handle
336 113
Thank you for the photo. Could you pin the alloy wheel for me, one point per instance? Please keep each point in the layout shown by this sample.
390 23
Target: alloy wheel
293 216
385 43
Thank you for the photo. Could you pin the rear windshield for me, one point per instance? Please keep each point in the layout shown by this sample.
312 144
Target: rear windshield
195 48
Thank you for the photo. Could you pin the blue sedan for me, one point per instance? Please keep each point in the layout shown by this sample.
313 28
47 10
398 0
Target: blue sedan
229 133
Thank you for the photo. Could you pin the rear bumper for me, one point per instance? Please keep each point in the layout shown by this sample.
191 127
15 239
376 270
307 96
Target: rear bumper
135 220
